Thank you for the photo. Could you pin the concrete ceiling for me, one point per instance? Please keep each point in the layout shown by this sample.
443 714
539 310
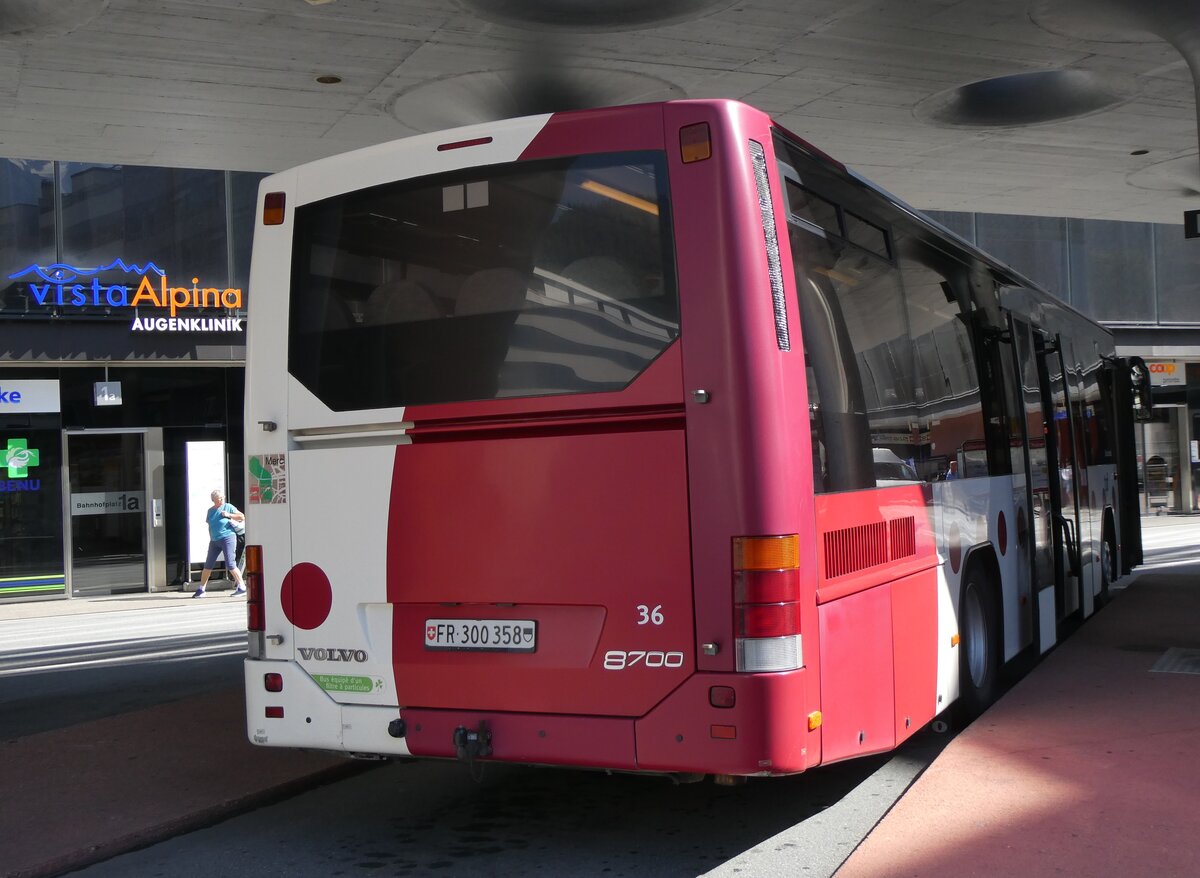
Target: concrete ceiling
1001 106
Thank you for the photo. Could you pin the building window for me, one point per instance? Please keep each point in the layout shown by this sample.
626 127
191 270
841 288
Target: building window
172 217
26 225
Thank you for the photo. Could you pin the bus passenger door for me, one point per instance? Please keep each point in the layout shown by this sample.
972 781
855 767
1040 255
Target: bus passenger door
1064 475
1053 526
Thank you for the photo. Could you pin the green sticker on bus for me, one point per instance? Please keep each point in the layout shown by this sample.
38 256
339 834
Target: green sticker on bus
344 683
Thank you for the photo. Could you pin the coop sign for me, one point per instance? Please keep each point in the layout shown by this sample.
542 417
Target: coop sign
1167 373
155 303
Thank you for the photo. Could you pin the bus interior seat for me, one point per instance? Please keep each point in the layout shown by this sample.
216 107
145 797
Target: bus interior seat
400 301
492 291
605 275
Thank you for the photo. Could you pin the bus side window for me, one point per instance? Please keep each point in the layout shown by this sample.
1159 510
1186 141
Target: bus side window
1001 408
947 385
817 434
838 405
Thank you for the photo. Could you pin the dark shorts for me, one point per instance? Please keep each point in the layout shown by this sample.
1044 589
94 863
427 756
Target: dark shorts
224 546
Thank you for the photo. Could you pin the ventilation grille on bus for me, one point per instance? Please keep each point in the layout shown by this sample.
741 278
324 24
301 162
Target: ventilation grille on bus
869 545
774 269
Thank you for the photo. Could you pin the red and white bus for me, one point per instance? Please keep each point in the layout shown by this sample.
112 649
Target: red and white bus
653 439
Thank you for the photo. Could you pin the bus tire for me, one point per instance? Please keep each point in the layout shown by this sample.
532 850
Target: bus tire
979 645
1108 560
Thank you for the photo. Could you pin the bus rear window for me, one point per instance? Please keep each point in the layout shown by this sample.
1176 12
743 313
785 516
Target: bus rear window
529 279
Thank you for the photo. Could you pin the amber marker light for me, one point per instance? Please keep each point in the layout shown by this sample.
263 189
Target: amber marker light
695 143
724 733
273 206
766 553
814 720
955 640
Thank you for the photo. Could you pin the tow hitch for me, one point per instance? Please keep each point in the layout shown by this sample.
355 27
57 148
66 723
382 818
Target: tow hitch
472 744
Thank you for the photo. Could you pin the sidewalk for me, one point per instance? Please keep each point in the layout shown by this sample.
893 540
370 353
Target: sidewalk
217 590
1090 766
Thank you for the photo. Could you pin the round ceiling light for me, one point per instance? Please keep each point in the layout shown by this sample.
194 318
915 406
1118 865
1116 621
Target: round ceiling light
1021 99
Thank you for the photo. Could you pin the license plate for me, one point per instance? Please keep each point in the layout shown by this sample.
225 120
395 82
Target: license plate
484 635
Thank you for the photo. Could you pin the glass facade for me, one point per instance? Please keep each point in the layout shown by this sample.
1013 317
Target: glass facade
27 228
1177 279
1034 245
243 196
1120 274
194 225
1112 269
173 218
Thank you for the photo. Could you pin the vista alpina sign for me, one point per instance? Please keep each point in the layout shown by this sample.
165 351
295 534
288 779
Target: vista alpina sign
156 304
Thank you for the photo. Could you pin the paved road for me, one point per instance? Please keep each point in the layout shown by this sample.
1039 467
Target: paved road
63 668
61 640
432 819
1169 539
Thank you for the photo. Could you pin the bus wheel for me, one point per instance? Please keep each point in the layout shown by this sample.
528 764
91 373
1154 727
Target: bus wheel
979 646
1108 555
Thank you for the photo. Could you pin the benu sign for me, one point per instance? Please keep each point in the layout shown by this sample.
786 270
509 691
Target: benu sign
28 396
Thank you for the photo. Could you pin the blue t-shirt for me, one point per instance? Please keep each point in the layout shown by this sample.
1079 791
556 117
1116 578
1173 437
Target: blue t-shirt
219 526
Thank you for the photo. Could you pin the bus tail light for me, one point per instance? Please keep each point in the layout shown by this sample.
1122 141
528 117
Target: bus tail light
695 142
766 582
255 599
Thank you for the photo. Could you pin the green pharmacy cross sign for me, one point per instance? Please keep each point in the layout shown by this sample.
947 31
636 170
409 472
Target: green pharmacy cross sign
18 457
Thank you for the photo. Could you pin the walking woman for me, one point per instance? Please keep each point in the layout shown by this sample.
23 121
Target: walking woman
222 541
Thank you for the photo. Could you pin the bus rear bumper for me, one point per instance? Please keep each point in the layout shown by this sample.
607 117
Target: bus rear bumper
533 738
302 714
764 732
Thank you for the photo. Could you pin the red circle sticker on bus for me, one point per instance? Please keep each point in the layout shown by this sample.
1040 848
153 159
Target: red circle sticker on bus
307 596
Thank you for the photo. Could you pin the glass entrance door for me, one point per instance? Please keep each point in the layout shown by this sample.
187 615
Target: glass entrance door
108 512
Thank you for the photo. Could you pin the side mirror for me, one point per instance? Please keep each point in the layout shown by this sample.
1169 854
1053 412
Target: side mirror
1139 383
